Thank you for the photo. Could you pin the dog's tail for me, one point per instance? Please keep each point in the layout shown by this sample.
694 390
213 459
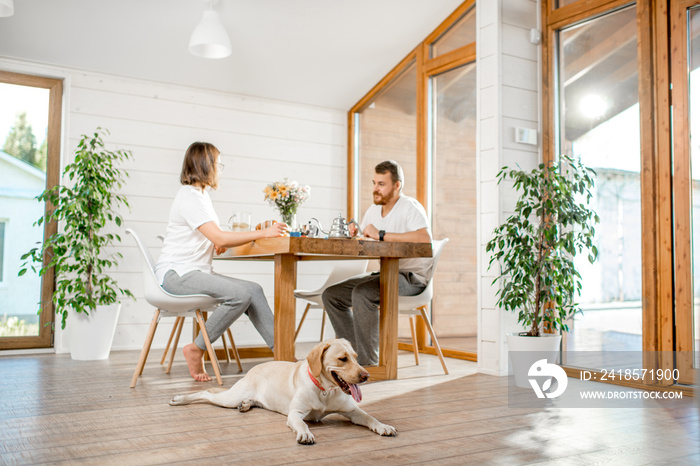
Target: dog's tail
180 400
216 396
193 397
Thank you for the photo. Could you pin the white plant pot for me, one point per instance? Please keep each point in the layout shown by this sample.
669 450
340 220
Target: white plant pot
524 351
90 337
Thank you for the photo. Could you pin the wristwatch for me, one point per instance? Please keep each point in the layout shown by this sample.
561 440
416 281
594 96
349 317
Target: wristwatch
381 235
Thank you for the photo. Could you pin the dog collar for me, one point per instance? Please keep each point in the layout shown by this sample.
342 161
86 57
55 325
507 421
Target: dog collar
314 379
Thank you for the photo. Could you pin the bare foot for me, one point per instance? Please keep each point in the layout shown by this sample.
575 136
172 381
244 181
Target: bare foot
195 362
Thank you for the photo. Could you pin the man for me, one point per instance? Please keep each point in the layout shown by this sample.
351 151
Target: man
353 305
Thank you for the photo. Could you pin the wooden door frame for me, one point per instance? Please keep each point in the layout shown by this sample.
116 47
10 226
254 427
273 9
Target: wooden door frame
53 168
682 189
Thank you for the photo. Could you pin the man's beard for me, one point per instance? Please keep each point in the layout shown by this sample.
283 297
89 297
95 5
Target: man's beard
382 199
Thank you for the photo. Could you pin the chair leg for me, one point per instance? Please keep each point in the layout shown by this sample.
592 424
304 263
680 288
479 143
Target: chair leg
146 348
170 340
235 350
301 322
413 338
210 349
434 338
228 356
180 323
323 324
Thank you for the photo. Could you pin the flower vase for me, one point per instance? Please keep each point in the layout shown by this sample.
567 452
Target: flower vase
291 220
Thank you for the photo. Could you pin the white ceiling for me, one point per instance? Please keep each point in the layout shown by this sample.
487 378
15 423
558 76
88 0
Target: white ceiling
318 52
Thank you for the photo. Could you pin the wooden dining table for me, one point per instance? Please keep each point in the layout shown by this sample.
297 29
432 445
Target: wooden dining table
286 252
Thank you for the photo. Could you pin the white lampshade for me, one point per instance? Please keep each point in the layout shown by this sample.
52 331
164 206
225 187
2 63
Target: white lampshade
209 39
7 8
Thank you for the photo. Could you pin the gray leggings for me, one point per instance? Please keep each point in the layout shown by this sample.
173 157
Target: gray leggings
238 296
353 308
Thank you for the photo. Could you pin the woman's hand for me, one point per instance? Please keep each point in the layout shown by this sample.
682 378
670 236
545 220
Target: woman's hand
220 249
275 230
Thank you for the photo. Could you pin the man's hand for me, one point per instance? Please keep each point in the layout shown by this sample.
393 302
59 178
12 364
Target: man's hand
371 232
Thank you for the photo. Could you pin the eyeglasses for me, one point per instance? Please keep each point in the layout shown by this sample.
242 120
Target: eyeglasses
220 166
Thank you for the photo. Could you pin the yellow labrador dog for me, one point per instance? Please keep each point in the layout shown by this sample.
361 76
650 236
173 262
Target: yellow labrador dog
325 383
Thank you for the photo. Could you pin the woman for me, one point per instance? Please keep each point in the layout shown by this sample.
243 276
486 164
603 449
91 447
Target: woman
185 262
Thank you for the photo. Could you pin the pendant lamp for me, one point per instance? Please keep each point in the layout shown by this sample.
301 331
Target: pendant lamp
7 8
209 39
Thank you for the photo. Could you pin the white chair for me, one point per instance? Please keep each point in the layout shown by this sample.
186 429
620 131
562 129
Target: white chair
177 329
341 272
167 304
417 305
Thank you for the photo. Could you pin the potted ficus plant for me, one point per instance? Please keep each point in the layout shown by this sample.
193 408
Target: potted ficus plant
535 248
85 206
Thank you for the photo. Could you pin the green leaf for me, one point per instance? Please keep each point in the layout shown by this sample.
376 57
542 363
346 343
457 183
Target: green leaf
83 207
536 257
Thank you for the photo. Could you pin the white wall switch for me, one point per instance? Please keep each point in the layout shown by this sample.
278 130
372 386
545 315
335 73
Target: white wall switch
526 136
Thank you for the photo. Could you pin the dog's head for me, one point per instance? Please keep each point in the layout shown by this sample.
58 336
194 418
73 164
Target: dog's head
337 361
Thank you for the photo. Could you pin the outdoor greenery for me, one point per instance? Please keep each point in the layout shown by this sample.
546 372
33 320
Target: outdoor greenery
83 210
536 245
15 327
21 143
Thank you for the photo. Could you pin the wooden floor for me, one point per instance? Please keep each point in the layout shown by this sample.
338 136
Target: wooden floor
54 410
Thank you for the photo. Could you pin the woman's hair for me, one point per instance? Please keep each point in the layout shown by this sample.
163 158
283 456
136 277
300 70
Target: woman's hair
199 165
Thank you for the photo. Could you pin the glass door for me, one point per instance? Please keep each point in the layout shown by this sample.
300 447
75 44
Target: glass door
454 183
599 123
29 162
685 73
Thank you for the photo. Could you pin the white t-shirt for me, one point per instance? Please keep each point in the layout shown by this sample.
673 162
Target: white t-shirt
186 249
407 215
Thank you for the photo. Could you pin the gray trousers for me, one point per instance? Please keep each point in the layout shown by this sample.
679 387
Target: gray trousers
353 308
238 297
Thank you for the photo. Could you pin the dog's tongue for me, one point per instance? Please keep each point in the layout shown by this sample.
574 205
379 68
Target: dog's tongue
355 392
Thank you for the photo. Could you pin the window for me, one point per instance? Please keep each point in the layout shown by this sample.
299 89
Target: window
423 115
462 33
599 124
29 162
387 131
3 223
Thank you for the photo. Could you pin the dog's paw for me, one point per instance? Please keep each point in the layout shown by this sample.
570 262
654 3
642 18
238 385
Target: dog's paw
177 400
305 438
385 429
246 405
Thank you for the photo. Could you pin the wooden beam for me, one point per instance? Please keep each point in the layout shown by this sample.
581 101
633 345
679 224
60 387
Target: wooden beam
449 21
579 11
451 60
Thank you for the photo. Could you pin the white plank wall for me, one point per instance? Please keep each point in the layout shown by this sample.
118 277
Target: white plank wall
261 141
508 67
